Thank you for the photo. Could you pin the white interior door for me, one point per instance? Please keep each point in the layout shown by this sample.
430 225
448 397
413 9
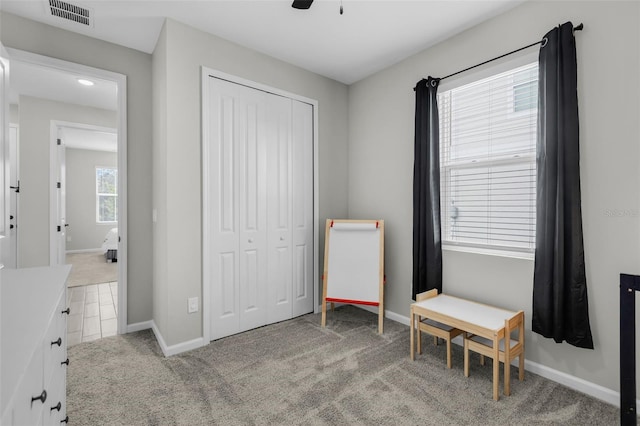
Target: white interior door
260 216
302 217
252 188
4 155
60 184
10 249
279 176
238 213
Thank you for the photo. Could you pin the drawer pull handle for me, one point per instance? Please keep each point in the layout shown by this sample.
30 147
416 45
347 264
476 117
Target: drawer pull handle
66 311
66 361
42 397
57 407
65 420
57 342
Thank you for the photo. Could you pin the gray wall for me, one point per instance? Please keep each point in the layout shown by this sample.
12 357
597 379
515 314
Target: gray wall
35 136
381 116
14 114
19 33
160 229
177 60
84 232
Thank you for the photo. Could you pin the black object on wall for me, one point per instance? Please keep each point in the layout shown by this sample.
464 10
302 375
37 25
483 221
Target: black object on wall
629 284
427 245
301 4
560 307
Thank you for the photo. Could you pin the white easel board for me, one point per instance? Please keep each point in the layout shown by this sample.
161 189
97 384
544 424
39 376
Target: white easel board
354 264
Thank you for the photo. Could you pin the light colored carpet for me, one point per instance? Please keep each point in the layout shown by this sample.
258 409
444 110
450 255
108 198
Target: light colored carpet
90 268
296 372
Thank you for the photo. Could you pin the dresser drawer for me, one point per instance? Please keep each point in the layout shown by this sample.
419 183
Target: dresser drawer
54 345
55 407
28 411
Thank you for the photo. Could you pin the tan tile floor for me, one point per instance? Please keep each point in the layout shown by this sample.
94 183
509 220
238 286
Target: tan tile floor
94 310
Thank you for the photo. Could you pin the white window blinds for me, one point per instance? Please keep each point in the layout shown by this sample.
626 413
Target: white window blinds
488 161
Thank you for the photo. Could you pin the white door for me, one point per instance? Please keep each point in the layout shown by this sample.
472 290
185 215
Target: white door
238 211
279 176
10 249
4 156
261 210
60 187
302 216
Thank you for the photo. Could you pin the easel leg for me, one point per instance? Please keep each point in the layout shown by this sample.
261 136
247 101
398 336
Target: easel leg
324 299
324 312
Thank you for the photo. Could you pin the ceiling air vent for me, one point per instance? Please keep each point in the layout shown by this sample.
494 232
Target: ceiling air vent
70 12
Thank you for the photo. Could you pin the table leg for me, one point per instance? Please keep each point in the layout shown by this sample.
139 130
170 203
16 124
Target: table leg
411 319
496 367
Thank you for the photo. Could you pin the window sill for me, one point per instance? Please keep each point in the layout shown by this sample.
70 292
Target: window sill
525 255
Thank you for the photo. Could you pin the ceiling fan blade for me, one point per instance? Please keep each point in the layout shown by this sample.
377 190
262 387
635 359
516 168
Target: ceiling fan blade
301 4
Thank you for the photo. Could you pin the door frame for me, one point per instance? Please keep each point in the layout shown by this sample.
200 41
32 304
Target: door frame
121 83
206 74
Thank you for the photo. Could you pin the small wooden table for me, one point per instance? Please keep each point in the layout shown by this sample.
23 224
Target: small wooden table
471 317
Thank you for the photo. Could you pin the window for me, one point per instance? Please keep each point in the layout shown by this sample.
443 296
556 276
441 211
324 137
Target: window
106 194
488 161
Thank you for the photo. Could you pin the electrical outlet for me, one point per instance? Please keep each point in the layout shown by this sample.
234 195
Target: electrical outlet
192 305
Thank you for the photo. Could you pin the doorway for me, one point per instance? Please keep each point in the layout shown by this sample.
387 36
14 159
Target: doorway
55 216
85 163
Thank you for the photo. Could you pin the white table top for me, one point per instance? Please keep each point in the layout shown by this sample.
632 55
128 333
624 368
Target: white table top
484 316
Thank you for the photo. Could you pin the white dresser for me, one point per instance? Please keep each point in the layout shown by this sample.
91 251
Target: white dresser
34 359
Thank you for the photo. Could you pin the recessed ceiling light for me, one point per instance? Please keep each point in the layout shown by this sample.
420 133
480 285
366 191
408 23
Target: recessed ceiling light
85 82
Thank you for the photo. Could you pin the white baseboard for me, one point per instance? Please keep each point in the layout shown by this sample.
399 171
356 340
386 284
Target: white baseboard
139 326
93 250
600 392
175 349
573 382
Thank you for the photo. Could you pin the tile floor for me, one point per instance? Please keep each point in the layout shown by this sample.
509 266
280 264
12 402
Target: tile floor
94 309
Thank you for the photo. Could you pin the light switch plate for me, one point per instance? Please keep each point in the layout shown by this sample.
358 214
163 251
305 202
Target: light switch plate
192 305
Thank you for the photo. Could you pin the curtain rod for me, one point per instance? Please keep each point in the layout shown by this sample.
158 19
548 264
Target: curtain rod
544 40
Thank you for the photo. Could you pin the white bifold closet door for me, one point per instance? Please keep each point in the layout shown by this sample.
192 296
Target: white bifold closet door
261 171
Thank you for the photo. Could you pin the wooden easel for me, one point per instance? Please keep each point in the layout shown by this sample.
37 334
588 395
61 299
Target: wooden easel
354 265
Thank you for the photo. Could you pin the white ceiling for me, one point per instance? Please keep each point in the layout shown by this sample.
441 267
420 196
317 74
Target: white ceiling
371 34
47 83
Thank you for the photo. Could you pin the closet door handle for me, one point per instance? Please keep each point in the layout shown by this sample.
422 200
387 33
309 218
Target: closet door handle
65 362
66 311
65 420
42 397
57 342
57 406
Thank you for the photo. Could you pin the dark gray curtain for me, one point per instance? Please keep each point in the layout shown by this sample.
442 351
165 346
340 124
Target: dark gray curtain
427 248
560 308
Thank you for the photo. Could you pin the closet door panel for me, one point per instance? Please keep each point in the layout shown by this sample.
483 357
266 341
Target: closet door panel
225 318
302 215
279 208
252 194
